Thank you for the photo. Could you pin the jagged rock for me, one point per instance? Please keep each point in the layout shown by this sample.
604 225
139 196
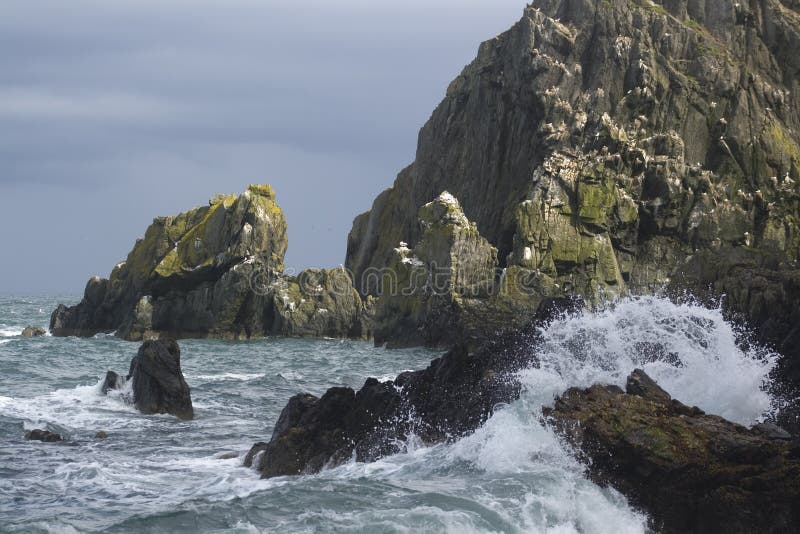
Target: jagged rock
426 292
158 384
691 472
318 303
34 331
43 435
454 395
598 145
212 271
111 381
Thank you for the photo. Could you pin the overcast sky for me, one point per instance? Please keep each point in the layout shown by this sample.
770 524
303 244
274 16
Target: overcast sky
115 111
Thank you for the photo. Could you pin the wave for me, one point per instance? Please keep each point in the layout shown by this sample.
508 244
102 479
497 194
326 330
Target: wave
83 408
243 377
513 474
10 331
690 350
518 467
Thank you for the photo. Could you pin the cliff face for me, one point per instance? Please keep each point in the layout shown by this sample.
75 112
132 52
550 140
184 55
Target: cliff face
215 271
599 144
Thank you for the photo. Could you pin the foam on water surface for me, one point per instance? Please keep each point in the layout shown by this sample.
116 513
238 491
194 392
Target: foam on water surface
511 475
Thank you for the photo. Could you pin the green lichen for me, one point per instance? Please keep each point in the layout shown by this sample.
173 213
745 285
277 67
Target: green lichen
786 146
262 190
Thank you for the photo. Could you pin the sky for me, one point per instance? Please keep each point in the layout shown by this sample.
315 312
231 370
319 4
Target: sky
115 112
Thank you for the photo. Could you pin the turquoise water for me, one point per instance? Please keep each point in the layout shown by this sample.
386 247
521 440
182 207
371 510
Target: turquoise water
159 474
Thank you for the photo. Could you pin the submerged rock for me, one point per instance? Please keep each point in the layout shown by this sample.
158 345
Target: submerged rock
691 471
454 395
213 271
34 331
43 435
157 381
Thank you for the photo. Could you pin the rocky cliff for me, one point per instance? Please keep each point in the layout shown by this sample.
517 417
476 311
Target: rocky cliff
598 145
216 271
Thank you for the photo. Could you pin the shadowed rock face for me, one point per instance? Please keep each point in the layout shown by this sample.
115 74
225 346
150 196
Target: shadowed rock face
216 271
691 471
158 383
598 144
454 395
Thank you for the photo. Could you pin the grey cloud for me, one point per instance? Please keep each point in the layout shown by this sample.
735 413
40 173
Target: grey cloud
114 112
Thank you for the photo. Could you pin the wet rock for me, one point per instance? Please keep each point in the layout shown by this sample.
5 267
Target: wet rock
111 381
34 331
453 396
101 435
640 384
43 435
691 472
760 289
158 384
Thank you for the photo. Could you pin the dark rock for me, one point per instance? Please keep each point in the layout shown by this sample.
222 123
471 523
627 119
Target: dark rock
34 331
453 396
216 271
250 457
158 383
690 471
112 381
101 435
43 435
640 384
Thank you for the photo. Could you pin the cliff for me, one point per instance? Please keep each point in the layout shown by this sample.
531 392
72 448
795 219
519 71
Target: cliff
216 271
598 145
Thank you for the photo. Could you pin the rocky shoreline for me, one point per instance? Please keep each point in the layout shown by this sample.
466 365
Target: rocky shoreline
692 471
596 150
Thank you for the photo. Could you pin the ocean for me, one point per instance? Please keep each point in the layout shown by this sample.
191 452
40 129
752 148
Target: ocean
160 474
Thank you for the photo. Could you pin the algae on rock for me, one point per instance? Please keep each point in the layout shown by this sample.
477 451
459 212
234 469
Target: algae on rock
598 146
213 271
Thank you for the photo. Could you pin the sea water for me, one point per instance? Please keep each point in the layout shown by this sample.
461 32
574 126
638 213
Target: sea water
160 474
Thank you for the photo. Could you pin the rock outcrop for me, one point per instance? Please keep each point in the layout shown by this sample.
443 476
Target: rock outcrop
599 144
43 435
111 382
34 331
215 271
157 381
449 289
154 383
691 471
453 396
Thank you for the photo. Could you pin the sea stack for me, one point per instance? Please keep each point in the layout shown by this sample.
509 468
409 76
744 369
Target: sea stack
216 271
